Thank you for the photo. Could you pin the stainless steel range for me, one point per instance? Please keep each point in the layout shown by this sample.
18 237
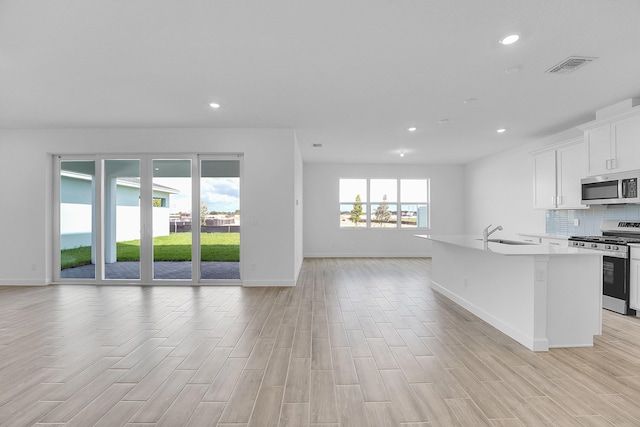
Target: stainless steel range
613 243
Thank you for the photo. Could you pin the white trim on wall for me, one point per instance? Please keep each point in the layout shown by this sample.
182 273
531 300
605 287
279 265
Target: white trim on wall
21 282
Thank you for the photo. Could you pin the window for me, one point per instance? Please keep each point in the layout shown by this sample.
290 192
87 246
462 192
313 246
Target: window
353 203
384 203
159 202
384 206
415 202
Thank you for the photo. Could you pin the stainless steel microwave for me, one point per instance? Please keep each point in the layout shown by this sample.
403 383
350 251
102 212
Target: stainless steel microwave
611 189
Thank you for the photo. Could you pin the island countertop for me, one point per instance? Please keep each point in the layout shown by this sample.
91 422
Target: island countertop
522 290
475 242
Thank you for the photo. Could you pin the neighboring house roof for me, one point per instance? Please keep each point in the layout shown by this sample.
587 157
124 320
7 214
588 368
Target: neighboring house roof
135 182
125 182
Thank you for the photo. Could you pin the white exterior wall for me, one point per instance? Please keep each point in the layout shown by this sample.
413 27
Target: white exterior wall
75 224
128 223
323 236
267 188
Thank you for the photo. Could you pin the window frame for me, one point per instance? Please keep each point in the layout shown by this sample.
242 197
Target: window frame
368 205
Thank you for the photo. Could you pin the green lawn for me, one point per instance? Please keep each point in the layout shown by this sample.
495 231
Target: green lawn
176 247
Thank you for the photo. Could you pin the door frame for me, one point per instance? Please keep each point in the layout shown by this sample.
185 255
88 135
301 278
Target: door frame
146 217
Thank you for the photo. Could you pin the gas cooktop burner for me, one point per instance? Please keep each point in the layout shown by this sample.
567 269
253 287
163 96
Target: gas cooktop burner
614 232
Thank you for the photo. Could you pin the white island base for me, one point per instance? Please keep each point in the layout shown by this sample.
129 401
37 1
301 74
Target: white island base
542 300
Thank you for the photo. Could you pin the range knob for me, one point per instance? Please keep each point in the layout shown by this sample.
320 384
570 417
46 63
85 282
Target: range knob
581 244
594 245
615 248
607 247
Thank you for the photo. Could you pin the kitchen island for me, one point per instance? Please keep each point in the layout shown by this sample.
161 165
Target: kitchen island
542 296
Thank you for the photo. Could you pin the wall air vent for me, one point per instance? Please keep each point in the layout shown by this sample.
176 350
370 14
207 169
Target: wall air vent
570 64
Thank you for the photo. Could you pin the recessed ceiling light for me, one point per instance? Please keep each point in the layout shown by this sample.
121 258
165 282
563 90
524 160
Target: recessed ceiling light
512 70
501 130
470 100
402 154
214 105
412 129
443 121
510 39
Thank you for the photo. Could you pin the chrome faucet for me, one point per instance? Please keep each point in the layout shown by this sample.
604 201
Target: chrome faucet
486 233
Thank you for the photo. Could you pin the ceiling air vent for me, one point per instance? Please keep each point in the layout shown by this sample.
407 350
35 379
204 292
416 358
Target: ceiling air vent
570 64
316 145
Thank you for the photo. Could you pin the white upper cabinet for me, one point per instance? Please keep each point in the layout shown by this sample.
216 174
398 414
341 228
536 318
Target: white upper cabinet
544 180
613 144
557 172
570 165
626 136
598 148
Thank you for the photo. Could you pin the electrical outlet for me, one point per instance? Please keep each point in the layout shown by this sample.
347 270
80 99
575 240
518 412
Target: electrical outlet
576 222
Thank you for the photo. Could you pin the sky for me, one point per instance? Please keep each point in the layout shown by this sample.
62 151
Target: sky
219 194
411 190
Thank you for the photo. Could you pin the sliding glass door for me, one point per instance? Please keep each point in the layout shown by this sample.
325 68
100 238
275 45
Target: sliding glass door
121 218
220 218
76 219
172 208
135 219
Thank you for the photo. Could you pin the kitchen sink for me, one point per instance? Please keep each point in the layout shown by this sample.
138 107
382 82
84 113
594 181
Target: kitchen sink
509 242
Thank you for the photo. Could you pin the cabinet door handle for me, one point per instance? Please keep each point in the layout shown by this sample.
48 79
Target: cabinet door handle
553 201
614 164
608 164
559 200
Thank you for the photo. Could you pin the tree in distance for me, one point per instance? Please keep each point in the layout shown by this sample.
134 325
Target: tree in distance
356 212
382 213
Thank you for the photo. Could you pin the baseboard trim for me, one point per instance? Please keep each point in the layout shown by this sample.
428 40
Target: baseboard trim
541 344
20 282
268 283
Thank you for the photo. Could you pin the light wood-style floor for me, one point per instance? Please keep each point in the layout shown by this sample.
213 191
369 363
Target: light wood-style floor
359 342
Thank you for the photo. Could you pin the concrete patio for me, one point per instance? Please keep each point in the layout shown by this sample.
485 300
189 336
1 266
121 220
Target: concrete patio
163 270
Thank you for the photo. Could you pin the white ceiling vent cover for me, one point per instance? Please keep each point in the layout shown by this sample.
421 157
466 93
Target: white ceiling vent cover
570 64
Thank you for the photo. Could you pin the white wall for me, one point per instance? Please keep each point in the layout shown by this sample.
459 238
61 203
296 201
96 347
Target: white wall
298 208
25 170
323 236
499 190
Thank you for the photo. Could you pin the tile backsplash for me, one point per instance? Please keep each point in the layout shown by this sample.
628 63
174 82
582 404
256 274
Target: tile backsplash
562 221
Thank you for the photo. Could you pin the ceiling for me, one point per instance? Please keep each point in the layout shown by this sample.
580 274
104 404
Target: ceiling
351 75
